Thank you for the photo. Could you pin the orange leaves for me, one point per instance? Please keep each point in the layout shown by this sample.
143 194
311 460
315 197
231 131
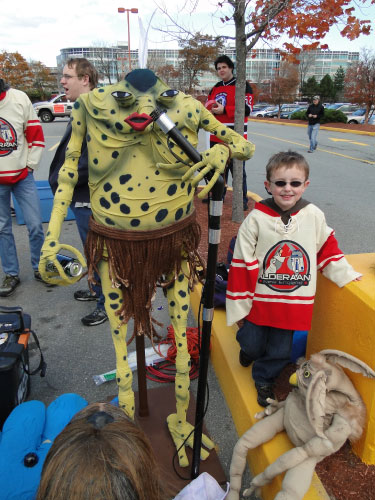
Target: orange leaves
360 80
309 20
15 70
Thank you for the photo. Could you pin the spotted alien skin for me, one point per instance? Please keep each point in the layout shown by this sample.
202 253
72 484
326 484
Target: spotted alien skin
137 184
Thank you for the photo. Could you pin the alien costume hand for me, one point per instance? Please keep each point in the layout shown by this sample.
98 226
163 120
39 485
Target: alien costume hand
48 254
214 159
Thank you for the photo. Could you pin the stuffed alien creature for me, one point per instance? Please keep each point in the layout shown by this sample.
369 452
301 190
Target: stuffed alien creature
143 230
318 417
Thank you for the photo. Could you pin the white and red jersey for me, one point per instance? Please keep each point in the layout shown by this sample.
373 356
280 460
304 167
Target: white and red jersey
21 137
272 279
224 93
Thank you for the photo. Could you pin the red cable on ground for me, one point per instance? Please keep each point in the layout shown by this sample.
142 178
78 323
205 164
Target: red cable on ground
165 371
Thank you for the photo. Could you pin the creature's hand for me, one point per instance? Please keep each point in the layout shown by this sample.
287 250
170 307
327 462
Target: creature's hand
256 483
27 436
273 406
213 159
49 252
179 431
249 491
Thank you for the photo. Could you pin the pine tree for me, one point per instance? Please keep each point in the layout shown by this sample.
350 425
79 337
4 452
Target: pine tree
339 82
327 89
310 87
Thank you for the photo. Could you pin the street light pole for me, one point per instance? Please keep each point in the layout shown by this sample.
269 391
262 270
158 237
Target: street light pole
122 10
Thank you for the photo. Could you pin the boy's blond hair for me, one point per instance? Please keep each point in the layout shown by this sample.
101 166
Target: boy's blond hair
287 159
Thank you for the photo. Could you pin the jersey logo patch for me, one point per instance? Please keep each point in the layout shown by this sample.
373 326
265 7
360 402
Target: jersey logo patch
8 138
221 98
286 267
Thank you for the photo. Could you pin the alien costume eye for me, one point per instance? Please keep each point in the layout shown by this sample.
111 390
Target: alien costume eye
120 94
124 99
167 97
169 93
306 374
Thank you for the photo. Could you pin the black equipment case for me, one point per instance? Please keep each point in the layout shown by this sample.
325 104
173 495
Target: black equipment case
15 329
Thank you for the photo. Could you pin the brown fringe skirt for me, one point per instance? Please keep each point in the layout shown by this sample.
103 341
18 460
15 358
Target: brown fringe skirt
140 260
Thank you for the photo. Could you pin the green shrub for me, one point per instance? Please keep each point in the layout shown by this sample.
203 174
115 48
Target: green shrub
299 115
330 116
333 116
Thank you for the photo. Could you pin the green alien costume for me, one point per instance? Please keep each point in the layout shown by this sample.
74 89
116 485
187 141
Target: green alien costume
140 196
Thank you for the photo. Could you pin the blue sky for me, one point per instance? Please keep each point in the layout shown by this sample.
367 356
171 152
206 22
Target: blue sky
38 29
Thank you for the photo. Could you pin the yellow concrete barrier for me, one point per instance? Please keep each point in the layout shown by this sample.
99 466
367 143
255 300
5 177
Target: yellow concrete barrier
240 393
344 319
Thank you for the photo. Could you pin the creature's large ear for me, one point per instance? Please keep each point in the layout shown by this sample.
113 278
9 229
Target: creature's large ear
348 361
316 402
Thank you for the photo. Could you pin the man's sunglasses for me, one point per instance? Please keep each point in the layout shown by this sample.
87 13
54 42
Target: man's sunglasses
294 184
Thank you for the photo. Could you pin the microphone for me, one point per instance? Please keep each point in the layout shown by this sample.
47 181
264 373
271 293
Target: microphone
161 118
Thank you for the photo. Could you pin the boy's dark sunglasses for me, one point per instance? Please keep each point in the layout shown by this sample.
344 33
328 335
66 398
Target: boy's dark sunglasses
294 184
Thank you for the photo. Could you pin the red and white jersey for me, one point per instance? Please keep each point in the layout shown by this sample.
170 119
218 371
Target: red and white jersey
21 137
272 279
224 93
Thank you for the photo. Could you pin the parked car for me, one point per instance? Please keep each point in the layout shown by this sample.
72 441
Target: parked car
284 109
357 116
259 107
371 120
288 114
263 111
345 108
49 110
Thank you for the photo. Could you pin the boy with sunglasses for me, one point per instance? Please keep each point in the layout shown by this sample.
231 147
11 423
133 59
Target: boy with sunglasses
280 247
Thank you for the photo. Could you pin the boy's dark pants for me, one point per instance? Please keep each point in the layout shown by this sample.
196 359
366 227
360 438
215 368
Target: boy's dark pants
269 347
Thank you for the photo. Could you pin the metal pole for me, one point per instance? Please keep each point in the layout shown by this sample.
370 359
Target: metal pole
141 372
130 63
216 210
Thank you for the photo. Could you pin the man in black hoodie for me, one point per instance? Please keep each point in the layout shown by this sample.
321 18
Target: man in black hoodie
314 113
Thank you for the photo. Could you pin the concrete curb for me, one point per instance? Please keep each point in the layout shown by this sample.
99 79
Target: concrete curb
240 394
322 127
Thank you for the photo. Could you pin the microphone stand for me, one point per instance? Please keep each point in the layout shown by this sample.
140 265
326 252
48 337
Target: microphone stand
215 212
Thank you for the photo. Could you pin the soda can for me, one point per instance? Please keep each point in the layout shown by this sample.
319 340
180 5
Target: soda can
72 267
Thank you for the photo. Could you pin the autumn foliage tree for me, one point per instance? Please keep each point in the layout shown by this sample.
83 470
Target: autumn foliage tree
168 74
15 70
360 81
282 88
43 81
198 54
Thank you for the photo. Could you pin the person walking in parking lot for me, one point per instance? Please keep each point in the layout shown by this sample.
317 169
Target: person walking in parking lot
314 113
79 77
21 147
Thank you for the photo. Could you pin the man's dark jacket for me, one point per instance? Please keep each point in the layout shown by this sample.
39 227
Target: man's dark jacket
81 190
318 110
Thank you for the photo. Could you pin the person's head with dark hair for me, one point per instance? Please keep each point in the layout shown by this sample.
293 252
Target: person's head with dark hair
287 176
102 455
224 67
226 60
79 77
